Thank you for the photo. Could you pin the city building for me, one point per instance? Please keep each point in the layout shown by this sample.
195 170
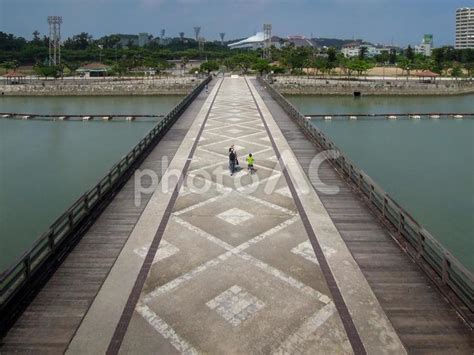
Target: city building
302 41
143 39
93 70
127 40
351 50
465 28
254 42
426 45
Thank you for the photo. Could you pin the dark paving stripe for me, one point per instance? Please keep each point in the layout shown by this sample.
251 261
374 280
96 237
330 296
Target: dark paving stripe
121 329
351 331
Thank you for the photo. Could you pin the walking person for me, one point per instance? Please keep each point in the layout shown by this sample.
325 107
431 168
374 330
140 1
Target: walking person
250 162
232 160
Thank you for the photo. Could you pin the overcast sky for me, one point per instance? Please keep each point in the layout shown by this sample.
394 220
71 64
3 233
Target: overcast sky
385 21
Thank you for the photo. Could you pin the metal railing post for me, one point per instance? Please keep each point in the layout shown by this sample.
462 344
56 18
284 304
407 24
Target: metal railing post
384 207
445 270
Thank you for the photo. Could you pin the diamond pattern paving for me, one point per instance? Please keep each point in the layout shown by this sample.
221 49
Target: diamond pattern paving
235 216
240 281
235 305
164 251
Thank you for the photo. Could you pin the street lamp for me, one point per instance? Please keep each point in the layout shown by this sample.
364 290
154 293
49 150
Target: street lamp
101 47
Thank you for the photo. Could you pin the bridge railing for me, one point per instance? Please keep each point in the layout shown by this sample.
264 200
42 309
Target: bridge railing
61 236
456 282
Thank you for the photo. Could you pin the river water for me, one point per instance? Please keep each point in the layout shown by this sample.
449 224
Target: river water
46 165
425 165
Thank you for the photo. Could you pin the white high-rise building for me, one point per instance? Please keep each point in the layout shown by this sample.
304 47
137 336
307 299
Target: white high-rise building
465 28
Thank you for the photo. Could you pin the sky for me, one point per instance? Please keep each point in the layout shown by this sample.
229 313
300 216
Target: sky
400 22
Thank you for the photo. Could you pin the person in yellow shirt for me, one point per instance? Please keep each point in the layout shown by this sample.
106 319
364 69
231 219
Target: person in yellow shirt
250 162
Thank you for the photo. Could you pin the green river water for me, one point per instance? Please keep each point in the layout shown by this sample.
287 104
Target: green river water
46 165
425 165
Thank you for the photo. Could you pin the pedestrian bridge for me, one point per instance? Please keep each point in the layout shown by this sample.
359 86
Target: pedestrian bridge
185 258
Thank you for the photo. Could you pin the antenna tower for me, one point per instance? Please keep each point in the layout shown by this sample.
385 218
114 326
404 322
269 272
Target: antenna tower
55 39
197 31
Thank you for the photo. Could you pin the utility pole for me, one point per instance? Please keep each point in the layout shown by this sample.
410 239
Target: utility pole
55 39
101 47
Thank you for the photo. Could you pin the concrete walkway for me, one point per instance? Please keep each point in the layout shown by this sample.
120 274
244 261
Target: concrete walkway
235 264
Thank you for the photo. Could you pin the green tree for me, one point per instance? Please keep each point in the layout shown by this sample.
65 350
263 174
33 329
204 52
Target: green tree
261 66
275 69
438 56
48 71
36 38
405 65
320 64
456 71
469 68
296 58
72 66
332 55
230 64
209 66
78 42
410 54
184 62
383 57
244 61
362 52
392 59
343 63
360 66
10 65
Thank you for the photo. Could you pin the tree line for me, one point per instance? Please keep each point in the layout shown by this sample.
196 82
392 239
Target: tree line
83 48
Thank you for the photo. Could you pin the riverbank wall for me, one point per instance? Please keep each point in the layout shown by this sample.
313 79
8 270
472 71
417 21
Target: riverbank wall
107 87
298 85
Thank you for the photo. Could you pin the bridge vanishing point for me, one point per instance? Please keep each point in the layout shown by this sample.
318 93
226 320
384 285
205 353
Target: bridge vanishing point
296 258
